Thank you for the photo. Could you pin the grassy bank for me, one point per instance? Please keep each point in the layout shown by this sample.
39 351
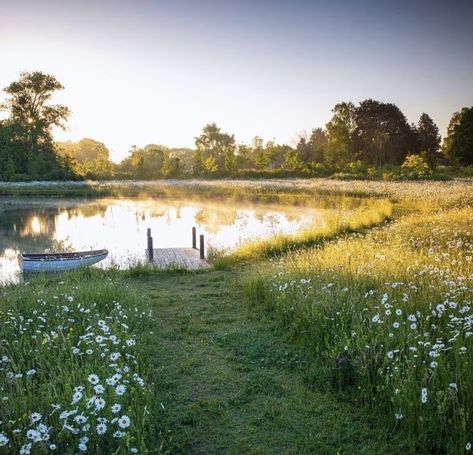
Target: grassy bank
390 315
270 190
368 214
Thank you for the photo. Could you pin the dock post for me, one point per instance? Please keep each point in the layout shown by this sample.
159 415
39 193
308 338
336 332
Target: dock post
150 245
194 238
202 255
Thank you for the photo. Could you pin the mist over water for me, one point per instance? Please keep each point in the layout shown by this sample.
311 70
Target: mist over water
50 225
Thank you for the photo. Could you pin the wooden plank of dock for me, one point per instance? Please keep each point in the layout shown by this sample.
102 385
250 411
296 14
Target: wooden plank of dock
187 258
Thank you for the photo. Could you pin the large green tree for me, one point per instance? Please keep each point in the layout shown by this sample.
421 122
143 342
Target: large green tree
28 104
428 137
27 132
382 134
458 145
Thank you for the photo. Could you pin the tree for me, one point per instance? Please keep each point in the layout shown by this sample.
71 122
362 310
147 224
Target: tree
28 105
212 143
458 145
258 153
293 161
243 156
317 146
91 158
26 140
340 132
382 134
428 137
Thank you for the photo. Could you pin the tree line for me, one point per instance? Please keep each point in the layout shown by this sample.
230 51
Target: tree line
370 135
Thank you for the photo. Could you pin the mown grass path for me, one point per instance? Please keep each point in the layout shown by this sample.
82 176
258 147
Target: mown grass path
231 382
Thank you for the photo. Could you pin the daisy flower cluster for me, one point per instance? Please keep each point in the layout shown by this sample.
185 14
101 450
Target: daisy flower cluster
70 369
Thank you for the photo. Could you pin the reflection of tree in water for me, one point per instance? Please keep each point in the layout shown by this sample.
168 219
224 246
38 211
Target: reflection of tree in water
213 218
29 229
272 220
87 211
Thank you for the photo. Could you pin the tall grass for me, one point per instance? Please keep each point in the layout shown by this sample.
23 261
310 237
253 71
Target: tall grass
391 312
372 212
73 374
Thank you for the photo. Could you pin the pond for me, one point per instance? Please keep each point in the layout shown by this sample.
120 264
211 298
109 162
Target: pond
51 224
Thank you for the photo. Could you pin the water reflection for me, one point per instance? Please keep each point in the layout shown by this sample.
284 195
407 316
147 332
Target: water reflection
39 225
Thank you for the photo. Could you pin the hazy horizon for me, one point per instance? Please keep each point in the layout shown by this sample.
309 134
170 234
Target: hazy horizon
156 72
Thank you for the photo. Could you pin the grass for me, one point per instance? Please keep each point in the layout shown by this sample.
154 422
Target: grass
231 382
372 212
392 310
218 378
73 367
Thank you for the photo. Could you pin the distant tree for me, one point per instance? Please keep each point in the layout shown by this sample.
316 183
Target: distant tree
172 165
218 146
258 153
293 161
382 134
458 145
185 156
271 152
317 146
198 162
243 157
148 163
91 158
428 137
340 134
417 167
303 146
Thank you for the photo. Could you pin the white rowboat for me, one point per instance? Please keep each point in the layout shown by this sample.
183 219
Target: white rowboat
59 262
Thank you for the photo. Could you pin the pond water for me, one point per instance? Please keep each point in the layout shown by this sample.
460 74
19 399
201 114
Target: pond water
51 224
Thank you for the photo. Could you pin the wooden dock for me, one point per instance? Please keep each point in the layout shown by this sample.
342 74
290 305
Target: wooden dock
186 258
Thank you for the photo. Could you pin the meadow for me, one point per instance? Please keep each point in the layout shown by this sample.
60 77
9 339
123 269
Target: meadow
357 332
389 313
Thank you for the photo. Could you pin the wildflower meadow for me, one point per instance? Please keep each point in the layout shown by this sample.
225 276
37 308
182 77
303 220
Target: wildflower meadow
71 368
390 313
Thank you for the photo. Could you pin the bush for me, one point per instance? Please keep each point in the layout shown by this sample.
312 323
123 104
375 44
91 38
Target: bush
416 167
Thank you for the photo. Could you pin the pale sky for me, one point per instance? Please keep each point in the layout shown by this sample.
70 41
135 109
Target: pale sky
144 71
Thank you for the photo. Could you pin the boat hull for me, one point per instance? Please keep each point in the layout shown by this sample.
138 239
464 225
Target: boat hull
60 262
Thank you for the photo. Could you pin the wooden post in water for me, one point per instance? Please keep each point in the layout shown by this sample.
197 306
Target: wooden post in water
202 255
150 245
194 238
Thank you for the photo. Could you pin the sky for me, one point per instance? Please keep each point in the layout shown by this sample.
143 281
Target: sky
156 71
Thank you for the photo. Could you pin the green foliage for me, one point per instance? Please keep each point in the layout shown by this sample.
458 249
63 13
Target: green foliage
417 166
458 145
293 161
386 304
90 159
428 138
382 134
26 145
340 131
216 150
